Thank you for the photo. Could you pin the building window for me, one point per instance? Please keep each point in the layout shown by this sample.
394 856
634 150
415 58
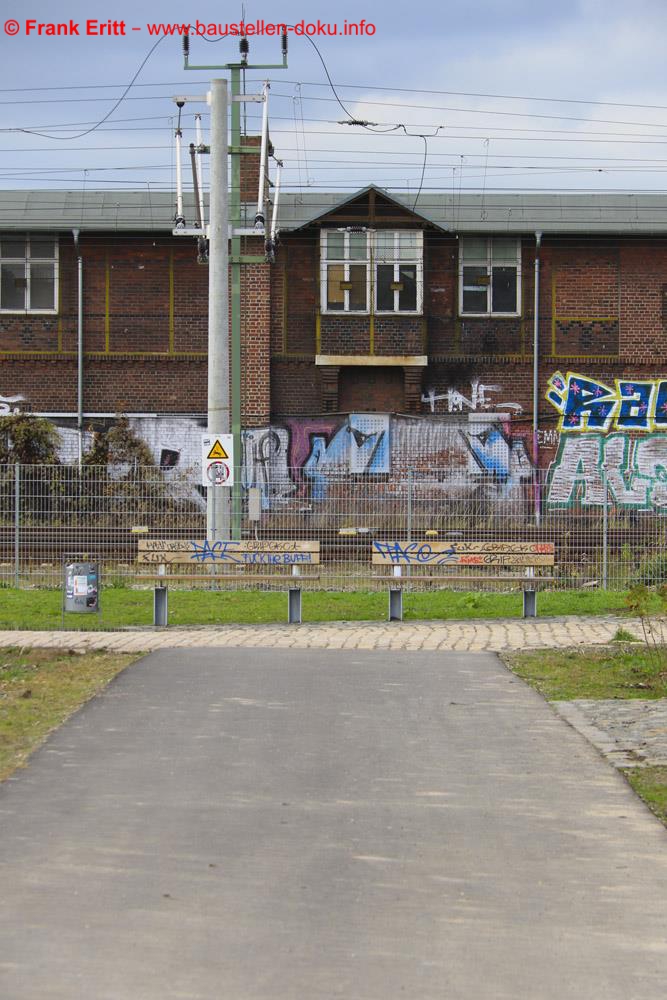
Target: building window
489 277
28 274
384 268
398 271
345 266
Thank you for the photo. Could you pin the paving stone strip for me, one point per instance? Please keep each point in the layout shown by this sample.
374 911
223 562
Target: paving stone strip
629 732
472 636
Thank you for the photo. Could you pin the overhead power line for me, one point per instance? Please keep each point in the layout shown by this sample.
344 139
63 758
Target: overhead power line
109 113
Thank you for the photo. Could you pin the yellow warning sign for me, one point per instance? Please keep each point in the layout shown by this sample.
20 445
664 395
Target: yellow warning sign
217 453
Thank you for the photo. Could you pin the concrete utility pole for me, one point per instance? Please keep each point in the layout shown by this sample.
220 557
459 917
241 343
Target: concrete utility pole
230 510
218 504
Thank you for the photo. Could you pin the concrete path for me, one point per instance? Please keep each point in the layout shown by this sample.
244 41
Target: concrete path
474 636
231 824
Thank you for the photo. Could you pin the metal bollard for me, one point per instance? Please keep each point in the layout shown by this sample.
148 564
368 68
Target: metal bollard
160 606
294 600
161 601
530 604
530 597
396 600
294 606
395 604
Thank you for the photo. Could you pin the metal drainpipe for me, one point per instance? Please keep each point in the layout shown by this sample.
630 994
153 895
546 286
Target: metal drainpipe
536 387
79 344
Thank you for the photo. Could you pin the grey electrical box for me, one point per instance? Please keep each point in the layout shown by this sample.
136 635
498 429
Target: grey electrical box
82 591
254 504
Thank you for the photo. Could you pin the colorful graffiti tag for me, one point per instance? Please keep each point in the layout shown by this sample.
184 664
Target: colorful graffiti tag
586 404
307 456
300 460
627 468
635 471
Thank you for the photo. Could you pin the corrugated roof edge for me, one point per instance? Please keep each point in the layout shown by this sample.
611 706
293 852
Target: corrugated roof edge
549 212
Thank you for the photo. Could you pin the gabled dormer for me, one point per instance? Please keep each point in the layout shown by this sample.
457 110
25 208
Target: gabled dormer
371 292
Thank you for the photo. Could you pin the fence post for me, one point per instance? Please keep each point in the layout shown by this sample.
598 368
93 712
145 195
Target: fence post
17 523
605 532
409 505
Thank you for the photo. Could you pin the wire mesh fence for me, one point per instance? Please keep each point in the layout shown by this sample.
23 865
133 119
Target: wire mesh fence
48 513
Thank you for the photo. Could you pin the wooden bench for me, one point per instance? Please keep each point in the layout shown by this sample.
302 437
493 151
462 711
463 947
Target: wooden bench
440 560
244 561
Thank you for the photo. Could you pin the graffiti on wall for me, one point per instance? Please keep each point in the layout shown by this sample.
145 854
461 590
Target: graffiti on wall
586 404
283 461
299 461
306 456
479 399
8 405
608 446
494 450
635 471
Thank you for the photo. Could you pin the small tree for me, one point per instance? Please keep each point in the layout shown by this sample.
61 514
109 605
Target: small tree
28 440
119 445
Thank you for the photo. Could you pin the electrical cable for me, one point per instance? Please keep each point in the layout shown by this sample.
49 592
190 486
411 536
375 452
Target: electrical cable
351 86
109 113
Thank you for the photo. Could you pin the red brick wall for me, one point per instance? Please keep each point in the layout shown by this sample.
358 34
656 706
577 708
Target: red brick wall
609 298
378 390
250 170
111 385
643 266
300 257
255 341
295 387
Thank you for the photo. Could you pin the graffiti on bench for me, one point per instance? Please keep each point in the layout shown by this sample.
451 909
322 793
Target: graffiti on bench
248 552
463 553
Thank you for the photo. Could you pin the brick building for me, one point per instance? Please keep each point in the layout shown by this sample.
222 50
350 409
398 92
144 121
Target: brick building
376 313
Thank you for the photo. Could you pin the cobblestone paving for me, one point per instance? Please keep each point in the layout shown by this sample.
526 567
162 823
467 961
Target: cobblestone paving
474 636
630 732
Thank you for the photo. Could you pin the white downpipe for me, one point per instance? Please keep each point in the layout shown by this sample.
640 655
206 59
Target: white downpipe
198 137
180 218
79 343
536 371
260 219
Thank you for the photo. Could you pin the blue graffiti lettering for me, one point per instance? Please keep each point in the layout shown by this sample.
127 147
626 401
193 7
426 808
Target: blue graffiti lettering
276 558
216 552
587 404
414 553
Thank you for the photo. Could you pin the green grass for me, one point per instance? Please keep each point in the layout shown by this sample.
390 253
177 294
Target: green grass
622 635
650 783
39 689
592 672
41 608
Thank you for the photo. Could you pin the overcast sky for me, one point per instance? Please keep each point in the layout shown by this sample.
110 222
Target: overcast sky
521 94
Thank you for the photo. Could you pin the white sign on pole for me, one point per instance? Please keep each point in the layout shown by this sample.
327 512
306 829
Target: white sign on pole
217 459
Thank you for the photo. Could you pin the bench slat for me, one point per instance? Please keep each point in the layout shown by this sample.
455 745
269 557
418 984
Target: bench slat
244 553
464 553
239 577
444 578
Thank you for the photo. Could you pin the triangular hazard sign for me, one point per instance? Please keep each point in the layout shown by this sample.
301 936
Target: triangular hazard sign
217 453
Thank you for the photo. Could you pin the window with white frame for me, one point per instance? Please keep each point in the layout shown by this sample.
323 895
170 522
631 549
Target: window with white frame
489 276
398 261
383 268
28 273
345 271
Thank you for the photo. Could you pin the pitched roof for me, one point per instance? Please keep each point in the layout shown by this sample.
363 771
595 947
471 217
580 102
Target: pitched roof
341 201
149 211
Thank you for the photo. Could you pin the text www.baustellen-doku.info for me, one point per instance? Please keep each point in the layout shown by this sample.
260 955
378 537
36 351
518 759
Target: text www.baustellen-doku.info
94 28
